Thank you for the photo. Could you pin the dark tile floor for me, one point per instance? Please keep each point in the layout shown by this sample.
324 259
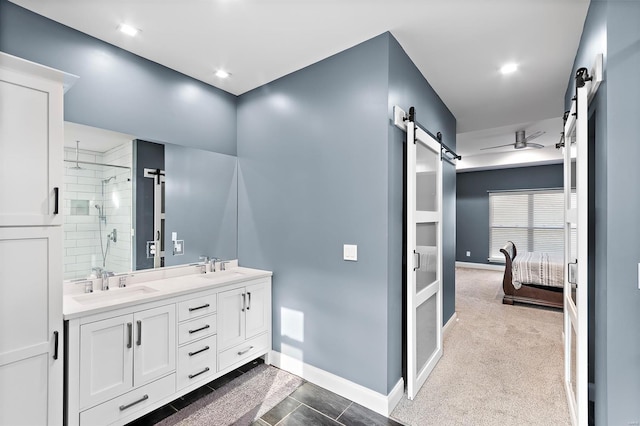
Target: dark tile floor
306 406
313 405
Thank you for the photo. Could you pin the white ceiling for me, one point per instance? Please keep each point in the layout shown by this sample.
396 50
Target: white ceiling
458 45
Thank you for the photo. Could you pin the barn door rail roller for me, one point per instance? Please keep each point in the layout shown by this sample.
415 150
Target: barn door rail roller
401 118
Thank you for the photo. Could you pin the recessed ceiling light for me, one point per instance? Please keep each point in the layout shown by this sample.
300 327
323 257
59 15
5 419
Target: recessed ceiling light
222 74
128 29
509 68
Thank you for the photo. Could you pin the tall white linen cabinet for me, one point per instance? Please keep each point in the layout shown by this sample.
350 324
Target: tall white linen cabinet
31 173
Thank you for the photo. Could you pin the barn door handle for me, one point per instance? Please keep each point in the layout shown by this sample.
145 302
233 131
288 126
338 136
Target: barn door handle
571 275
419 262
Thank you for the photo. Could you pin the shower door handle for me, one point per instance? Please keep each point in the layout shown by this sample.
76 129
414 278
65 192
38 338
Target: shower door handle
157 235
56 196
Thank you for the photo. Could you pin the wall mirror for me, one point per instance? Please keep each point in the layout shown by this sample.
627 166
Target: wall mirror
109 203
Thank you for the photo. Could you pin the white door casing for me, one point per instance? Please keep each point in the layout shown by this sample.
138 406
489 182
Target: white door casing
576 179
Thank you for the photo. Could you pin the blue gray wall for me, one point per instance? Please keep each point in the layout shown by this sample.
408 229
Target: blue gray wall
321 166
612 29
473 202
120 91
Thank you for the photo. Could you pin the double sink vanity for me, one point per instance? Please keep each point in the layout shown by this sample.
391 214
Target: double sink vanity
156 335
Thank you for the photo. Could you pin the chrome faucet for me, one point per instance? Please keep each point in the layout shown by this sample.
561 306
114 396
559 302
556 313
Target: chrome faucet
105 279
213 263
223 264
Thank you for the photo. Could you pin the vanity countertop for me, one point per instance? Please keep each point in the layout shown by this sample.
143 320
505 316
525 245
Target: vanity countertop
78 304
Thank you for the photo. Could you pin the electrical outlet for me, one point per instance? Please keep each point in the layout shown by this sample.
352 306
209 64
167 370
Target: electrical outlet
350 252
468 253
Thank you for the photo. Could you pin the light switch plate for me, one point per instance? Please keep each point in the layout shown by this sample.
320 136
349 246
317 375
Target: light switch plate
350 252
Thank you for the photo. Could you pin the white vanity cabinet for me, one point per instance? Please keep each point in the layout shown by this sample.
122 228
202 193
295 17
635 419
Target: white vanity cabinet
244 320
31 327
127 359
127 351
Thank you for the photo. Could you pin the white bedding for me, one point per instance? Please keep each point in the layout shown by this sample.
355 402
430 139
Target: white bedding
538 268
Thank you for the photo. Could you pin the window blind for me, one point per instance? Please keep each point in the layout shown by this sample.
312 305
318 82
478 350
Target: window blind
533 220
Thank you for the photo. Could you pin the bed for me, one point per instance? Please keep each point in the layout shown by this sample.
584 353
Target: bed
534 277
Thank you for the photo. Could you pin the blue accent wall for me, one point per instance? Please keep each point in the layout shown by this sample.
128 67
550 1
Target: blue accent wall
120 91
473 202
320 165
612 28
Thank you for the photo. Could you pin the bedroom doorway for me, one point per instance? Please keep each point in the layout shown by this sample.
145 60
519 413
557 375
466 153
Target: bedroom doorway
576 235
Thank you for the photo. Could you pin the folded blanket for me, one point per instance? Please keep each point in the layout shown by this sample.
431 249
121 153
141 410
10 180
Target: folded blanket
538 268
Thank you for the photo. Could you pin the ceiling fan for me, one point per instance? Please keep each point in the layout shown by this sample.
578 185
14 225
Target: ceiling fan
522 141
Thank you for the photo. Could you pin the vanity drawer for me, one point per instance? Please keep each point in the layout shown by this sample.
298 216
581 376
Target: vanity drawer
196 329
198 307
196 361
244 352
124 405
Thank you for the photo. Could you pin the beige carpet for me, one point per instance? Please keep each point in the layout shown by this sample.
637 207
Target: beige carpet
502 365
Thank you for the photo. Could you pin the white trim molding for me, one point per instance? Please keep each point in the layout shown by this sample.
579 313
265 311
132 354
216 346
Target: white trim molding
447 327
382 404
480 266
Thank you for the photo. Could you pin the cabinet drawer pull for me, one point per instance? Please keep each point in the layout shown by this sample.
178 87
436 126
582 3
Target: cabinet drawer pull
206 348
245 351
124 407
130 332
244 301
55 348
249 303
199 329
199 307
139 342
191 376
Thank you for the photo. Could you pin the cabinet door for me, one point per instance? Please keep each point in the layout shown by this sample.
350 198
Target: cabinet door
155 344
31 367
31 150
258 310
231 317
106 359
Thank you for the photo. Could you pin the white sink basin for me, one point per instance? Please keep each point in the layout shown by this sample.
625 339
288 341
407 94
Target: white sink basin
113 294
222 275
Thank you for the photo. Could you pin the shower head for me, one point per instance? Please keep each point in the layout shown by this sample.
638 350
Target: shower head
97 206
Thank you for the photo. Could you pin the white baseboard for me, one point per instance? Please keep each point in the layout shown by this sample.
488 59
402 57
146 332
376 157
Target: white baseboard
383 404
491 267
450 323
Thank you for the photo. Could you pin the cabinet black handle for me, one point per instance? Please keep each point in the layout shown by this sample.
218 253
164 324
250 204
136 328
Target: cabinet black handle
55 345
244 301
139 342
124 407
191 376
199 307
249 303
199 329
130 331
56 193
206 348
